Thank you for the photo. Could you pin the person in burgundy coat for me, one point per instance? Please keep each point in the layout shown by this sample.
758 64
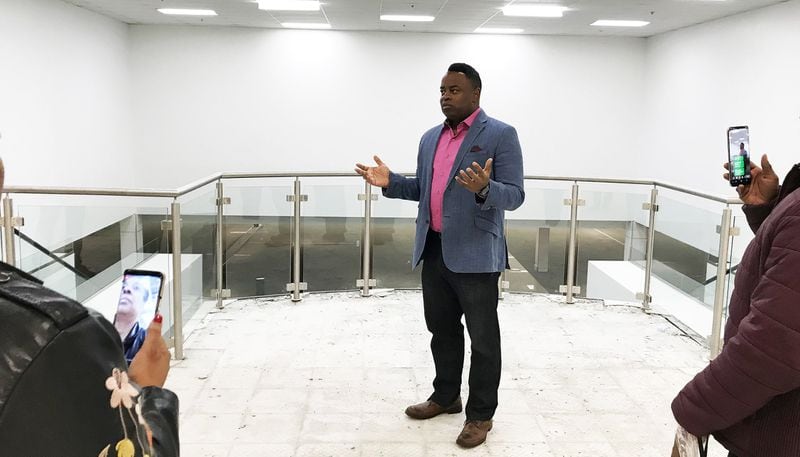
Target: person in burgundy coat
749 396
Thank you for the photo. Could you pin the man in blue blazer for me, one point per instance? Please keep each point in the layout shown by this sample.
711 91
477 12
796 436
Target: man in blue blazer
469 171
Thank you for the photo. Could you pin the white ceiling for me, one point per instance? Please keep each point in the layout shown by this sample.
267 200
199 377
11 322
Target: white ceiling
452 16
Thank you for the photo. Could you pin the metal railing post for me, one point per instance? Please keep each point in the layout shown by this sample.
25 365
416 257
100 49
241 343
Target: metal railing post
8 230
220 293
715 345
296 286
366 280
570 288
648 263
177 298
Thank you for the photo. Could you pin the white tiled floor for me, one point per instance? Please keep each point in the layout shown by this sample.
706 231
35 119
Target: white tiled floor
331 376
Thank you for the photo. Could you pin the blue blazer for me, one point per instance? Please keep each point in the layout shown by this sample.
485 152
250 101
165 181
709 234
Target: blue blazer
473 239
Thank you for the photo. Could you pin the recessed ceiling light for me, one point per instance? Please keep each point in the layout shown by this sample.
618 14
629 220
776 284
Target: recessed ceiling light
406 18
288 5
497 30
186 12
534 10
618 23
305 25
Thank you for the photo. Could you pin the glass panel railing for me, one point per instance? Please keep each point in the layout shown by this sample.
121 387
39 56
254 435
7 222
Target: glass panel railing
538 237
333 222
79 245
612 240
393 232
685 257
198 248
257 236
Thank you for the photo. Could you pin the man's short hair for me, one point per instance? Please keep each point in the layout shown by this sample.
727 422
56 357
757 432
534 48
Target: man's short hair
469 72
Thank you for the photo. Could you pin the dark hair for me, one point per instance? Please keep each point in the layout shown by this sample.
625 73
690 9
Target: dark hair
469 72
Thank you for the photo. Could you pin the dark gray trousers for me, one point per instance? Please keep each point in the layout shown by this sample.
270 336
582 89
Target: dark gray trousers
447 296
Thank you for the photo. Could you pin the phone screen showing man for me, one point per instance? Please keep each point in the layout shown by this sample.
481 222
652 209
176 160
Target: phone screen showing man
739 155
136 308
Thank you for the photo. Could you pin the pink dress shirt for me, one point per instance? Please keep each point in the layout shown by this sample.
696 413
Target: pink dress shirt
446 152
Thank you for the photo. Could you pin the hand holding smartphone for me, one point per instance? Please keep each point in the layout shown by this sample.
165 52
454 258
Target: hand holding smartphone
136 308
739 155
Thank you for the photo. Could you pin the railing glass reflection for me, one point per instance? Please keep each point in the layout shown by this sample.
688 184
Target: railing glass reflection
79 245
257 236
538 238
393 228
685 259
332 222
198 248
612 240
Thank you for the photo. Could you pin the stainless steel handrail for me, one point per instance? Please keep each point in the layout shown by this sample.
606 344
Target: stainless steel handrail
112 192
90 191
192 186
580 180
311 174
730 201
210 179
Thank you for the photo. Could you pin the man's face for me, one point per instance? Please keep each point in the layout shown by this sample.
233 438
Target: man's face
134 294
458 98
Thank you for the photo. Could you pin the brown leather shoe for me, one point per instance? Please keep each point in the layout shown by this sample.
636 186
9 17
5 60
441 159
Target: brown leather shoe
428 409
474 433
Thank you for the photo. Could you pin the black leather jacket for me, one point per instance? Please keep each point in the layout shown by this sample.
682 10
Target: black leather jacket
55 359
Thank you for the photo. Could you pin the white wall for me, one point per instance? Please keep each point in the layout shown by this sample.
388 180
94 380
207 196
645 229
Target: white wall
212 99
742 70
64 87
86 100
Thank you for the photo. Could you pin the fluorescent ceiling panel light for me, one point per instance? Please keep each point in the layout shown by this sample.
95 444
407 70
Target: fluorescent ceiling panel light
534 10
497 30
618 23
406 18
186 12
305 25
288 5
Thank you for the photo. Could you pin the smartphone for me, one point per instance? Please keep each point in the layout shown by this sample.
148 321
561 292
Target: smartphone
739 155
137 306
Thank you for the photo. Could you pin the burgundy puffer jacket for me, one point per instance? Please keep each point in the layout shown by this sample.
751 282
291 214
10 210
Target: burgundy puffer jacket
749 396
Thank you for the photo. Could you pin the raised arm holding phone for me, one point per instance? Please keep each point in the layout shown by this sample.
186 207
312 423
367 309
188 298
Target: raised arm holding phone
65 386
748 397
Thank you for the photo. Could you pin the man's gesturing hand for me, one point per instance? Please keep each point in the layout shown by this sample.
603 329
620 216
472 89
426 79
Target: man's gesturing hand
377 176
476 177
